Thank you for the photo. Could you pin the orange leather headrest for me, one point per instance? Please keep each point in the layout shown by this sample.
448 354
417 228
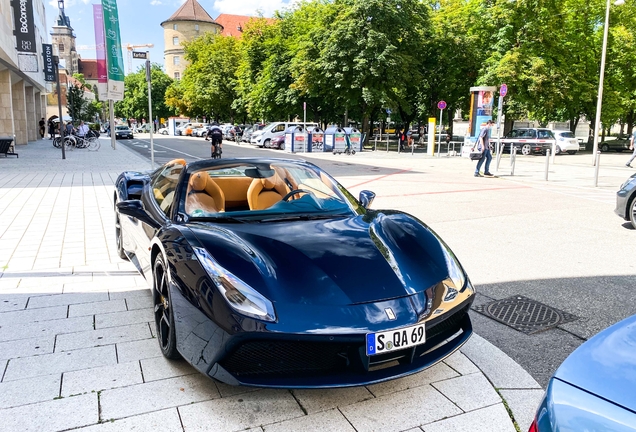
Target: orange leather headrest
198 181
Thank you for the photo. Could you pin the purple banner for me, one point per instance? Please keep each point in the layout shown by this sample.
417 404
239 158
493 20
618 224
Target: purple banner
100 44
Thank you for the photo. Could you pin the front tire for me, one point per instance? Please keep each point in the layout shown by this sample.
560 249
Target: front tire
164 316
604 148
267 143
632 213
557 150
119 238
526 150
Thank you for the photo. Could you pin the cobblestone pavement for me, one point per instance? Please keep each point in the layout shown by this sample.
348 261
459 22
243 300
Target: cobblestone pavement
78 349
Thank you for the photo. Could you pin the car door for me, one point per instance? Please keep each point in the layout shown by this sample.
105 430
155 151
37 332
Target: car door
158 202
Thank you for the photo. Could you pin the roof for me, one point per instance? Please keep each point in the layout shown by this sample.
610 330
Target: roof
233 25
191 10
88 68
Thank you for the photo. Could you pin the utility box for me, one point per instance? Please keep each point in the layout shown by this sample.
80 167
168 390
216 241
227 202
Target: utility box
355 138
316 140
335 140
295 140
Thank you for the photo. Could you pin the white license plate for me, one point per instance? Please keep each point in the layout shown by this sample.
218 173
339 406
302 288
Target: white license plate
406 337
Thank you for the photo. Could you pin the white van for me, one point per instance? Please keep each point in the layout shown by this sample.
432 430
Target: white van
262 137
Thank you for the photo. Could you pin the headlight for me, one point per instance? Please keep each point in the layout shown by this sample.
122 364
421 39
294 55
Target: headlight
239 295
455 272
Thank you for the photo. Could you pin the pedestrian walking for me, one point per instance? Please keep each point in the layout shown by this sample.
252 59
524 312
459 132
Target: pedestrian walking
42 128
51 129
401 139
483 145
632 147
82 130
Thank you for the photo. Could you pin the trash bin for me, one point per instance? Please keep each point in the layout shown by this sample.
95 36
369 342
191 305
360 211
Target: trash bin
295 140
335 140
316 138
355 138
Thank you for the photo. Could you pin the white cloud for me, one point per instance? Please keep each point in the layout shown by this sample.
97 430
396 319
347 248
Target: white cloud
250 7
155 2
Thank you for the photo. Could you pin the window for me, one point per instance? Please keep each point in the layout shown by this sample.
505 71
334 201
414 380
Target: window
196 27
60 47
175 41
174 26
164 186
176 60
177 76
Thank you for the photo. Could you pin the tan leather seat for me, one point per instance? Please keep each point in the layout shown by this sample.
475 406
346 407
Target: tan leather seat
264 193
204 194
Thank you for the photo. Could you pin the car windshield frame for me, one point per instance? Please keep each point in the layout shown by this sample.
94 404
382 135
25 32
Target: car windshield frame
328 200
122 128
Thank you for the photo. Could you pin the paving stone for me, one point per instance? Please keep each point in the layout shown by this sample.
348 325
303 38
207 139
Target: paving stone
30 390
438 372
26 347
500 369
101 378
124 318
103 307
45 328
59 362
139 302
161 368
66 299
327 421
400 411
33 315
316 400
523 404
491 419
227 390
156 395
165 421
240 412
55 415
469 392
460 363
137 350
13 302
93 338
130 293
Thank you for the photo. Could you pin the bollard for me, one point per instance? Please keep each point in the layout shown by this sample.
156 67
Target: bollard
412 147
387 143
553 152
499 151
547 163
513 160
596 168
375 145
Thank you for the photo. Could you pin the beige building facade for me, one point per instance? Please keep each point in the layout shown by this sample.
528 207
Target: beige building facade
187 23
22 94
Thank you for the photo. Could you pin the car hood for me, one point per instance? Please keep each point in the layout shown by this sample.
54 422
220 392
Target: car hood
339 261
606 365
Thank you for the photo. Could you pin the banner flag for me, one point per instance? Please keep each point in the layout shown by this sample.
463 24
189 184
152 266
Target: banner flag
100 44
115 60
49 67
25 35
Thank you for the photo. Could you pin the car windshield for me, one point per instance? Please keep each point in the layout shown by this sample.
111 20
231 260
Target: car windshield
264 192
567 134
122 128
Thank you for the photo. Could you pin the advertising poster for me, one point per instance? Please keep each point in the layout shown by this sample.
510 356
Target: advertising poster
115 60
100 45
483 108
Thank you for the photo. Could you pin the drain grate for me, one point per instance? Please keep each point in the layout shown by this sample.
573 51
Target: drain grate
525 315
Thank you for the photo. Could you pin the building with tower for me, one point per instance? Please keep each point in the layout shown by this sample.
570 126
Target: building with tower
63 39
187 23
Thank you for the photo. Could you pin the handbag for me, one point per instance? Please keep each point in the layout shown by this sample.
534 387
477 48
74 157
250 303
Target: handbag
476 155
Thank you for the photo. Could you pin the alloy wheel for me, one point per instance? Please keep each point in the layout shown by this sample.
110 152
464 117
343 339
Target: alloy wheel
525 150
164 318
632 213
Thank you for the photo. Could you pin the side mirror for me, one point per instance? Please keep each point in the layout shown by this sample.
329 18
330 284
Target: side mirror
135 209
366 198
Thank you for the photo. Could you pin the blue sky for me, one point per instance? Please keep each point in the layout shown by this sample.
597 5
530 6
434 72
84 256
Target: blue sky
140 19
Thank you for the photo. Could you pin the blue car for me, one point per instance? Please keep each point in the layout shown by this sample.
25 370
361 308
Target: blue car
268 273
595 387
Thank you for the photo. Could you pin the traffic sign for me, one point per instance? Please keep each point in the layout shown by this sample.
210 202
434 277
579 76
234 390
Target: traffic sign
140 55
388 111
441 105
503 90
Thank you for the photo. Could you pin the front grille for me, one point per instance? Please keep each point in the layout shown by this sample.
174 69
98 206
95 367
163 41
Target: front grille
273 358
287 357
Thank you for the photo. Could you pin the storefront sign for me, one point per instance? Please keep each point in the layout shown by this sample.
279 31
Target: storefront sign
49 67
24 28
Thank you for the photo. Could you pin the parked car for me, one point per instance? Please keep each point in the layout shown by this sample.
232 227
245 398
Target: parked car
566 142
163 131
277 142
247 134
626 201
260 138
528 140
200 132
122 131
593 390
284 279
619 144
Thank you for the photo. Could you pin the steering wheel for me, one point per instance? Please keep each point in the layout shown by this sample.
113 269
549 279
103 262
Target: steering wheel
294 192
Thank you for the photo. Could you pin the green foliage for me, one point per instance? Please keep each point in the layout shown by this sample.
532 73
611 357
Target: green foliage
135 103
76 104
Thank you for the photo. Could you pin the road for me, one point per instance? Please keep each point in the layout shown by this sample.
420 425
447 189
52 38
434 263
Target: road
556 242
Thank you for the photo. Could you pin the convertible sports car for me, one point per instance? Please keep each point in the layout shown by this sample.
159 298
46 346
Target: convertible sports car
267 272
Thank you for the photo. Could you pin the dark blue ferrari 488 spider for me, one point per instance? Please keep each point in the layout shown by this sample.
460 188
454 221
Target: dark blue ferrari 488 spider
267 272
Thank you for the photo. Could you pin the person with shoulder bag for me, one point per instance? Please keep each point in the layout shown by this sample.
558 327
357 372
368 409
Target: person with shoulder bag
483 145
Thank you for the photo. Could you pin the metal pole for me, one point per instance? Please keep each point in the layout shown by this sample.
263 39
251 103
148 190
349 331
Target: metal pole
499 115
111 107
439 147
547 163
149 79
513 160
375 145
553 152
56 60
387 143
597 163
599 102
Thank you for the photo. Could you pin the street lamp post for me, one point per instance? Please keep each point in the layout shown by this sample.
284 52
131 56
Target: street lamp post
599 102
56 61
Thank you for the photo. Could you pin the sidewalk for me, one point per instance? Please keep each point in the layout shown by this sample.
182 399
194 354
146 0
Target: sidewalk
77 347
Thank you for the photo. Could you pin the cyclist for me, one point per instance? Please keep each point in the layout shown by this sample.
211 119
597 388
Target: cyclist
216 134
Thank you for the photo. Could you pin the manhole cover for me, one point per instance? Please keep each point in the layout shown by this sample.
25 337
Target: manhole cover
524 314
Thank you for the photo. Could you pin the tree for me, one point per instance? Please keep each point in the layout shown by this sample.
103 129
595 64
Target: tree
135 103
76 103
